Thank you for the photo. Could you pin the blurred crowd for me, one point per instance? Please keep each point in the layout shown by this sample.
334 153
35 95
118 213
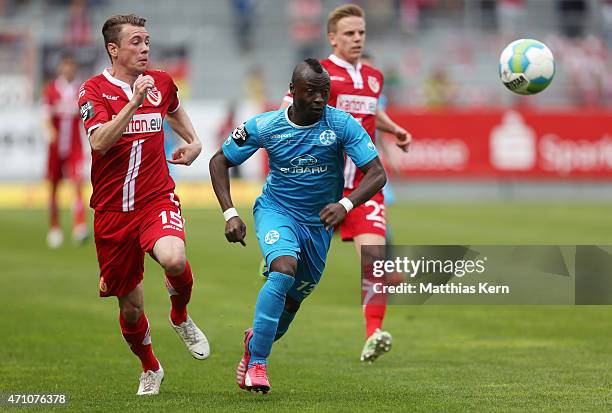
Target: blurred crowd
430 68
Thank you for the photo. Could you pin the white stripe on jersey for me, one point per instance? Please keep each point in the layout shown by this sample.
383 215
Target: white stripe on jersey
64 139
129 185
174 201
97 125
349 173
126 182
135 174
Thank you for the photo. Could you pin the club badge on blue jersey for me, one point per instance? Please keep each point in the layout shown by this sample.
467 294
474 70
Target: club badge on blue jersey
240 135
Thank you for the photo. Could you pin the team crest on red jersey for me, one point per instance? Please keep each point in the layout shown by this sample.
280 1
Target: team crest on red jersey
154 96
374 84
103 286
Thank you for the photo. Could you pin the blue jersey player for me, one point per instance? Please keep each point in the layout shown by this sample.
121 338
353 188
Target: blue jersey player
300 204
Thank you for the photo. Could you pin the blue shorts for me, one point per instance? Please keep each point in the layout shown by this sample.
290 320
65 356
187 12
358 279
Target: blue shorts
280 235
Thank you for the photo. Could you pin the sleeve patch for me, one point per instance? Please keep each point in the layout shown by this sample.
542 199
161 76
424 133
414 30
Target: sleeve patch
240 135
87 111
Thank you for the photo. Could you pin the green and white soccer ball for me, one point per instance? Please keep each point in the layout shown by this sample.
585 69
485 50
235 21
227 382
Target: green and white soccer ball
526 66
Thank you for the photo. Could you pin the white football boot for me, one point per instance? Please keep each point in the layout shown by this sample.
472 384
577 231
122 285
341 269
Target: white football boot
194 338
150 381
80 234
55 238
376 345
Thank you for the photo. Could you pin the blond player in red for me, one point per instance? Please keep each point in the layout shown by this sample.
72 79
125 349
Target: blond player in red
136 209
355 88
65 154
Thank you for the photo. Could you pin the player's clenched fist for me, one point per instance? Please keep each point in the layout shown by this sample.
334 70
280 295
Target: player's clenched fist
186 154
142 85
332 214
235 230
404 139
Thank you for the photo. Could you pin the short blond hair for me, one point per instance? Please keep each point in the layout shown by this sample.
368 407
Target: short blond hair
339 13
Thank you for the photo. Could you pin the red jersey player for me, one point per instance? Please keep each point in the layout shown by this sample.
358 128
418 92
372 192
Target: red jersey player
136 210
355 88
65 154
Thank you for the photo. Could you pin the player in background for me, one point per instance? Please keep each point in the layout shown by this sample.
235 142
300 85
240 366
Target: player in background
385 152
65 153
136 209
300 204
356 88
227 126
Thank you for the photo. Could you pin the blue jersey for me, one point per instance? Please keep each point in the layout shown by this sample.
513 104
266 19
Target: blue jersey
306 162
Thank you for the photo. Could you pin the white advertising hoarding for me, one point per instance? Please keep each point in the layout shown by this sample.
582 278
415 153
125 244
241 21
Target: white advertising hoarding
23 145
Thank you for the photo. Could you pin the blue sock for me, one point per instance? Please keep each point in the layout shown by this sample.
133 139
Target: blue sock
283 324
268 309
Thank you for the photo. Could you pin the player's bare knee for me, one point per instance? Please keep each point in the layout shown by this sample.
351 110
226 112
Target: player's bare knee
371 253
174 264
131 312
285 265
291 305
170 253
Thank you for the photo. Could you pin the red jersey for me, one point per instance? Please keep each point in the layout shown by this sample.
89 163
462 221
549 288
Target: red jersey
134 169
58 102
355 90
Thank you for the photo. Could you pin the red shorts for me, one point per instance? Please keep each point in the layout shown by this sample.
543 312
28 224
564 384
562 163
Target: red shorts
367 218
122 238
70 166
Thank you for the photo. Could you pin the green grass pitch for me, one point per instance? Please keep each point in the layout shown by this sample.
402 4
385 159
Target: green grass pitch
59 337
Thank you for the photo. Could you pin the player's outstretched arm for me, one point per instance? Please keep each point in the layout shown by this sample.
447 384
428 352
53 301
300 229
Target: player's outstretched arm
181 124
235 229
385 124
102 138
383 147
373 180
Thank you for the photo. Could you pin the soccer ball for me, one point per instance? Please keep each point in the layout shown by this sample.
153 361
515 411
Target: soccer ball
526 66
